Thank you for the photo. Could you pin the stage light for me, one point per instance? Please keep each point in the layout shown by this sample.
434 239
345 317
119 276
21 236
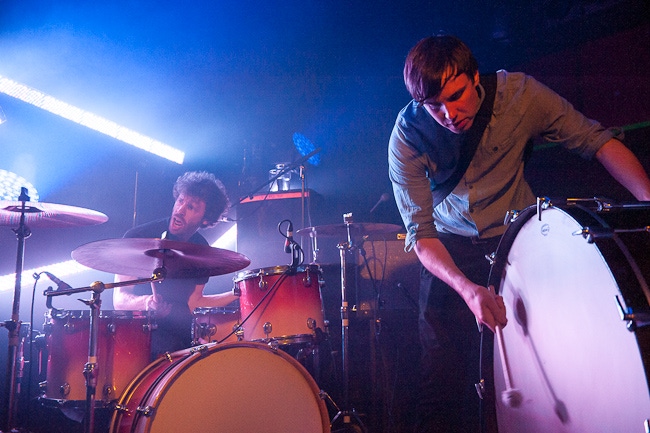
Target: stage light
10 184
61 270
90 120
228 240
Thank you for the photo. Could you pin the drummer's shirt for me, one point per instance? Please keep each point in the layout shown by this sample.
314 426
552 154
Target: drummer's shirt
422 153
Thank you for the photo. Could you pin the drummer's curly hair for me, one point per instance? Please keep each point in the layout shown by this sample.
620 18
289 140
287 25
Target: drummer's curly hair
207 187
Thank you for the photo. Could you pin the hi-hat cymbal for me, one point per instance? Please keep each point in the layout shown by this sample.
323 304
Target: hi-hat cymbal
48 215
140 257
356 229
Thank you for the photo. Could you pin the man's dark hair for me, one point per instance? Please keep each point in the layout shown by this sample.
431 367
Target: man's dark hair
433 58
206 187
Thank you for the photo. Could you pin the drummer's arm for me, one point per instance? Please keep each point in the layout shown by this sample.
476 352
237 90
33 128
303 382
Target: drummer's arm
125 299
198 299
624 166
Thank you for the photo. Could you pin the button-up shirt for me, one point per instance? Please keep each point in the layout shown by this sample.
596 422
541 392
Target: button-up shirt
423 154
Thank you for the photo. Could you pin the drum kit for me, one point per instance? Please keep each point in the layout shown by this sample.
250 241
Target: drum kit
569 272
100 359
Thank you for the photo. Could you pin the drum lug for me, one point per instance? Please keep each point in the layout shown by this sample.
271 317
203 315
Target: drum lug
239 331
510 217
111 328
267 328
147 411
491 258
121 408
64 389
262 284
634 320
307 280
311 324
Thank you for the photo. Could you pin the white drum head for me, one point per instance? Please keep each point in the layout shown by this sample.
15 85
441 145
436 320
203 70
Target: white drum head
571 357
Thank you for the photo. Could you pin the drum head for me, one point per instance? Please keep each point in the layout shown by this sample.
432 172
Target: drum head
235 387
570 356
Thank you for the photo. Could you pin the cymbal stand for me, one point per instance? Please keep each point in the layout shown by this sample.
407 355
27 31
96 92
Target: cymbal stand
90 371
348 416
13 325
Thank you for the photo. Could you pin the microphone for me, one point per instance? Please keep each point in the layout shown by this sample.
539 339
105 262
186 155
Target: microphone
289 240
60 285
384 197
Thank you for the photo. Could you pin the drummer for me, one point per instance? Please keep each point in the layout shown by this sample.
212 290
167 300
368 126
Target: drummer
453 225
200 201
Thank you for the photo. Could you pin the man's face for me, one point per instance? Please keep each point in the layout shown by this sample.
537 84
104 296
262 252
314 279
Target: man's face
187 216
457 104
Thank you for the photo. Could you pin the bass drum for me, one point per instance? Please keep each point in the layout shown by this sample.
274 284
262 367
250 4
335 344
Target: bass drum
231 387
572 359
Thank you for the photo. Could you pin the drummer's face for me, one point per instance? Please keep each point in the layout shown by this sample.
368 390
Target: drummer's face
187 216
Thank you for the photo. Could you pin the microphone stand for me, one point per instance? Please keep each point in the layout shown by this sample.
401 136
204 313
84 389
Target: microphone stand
346 415
90 368
13 325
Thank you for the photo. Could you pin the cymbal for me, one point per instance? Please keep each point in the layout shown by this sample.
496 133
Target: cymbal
356 229
140 257
48 215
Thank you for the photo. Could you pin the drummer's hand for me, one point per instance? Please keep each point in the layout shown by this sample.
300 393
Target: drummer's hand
488 307
155 302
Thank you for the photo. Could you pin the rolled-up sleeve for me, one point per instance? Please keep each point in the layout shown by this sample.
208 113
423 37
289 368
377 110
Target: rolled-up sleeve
407 169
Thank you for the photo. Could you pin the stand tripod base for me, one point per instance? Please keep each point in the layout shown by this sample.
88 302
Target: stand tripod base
348 422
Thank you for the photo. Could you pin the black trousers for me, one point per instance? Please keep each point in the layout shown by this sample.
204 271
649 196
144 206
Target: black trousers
451 362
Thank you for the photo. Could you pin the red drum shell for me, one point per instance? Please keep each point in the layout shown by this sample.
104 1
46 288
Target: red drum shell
286 300
123 350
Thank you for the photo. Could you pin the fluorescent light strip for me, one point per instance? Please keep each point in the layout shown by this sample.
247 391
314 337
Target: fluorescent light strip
90 120
228 240
61 270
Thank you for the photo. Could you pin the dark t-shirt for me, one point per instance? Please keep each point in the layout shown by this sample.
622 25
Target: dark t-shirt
174 332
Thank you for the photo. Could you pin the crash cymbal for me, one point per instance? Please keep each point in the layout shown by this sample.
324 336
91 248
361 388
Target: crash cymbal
48 215
139 257
356 229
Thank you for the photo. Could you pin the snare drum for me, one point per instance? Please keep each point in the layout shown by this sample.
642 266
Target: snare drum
571 357
280 303
232 387
123 347
216 324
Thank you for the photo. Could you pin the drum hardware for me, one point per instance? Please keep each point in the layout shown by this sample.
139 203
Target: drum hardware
25 213
510 396
634 320
551 310
94 304
276 393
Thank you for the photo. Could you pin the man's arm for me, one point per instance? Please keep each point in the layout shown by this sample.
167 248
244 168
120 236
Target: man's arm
124 298
488 308
198 299
624 166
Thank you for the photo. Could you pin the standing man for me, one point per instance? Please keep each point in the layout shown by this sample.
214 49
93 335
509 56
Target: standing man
456 161
200 201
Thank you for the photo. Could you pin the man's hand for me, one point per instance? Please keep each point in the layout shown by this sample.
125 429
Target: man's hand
156 303
487 306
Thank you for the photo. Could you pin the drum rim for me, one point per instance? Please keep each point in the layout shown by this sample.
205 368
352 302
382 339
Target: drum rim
273 270
157 389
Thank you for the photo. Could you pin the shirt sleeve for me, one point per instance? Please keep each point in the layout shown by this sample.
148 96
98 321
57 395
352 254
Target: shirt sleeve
407 169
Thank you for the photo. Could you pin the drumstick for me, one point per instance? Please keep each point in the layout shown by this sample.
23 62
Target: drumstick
511 397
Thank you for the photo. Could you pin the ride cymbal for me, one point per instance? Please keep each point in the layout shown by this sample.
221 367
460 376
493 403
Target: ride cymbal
140 257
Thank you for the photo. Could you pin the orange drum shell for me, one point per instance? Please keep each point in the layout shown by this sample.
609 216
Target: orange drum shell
296 298
123 350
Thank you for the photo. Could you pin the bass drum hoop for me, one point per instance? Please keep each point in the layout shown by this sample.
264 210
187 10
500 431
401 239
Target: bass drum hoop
165 372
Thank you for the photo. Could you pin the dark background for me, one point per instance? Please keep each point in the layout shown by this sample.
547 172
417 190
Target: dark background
230 82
